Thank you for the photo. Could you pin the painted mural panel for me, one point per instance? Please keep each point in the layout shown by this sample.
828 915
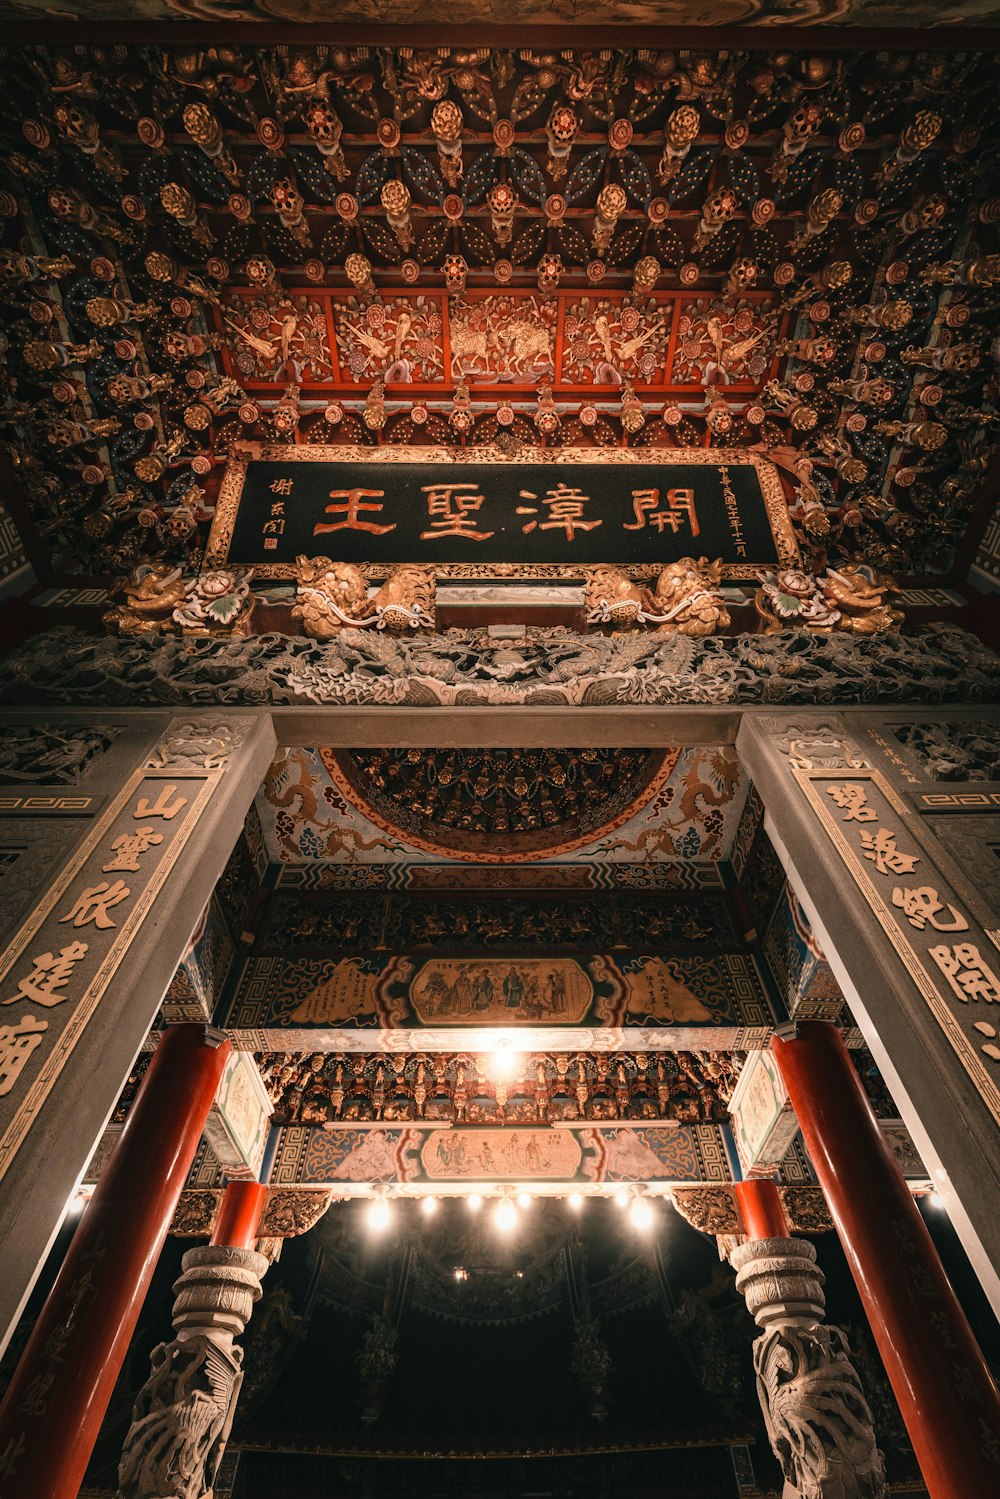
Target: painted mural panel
282 995
594 1155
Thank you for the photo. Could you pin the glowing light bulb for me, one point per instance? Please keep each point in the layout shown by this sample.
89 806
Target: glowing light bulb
575 1200
475 1202
506 1216
641 1215
428 1206
379 1215
503 1064
622 1199
524 1200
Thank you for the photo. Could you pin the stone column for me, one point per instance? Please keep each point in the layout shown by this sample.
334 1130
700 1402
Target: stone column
184 1412
938 1374
901 889
54 1406
818 1421
120 849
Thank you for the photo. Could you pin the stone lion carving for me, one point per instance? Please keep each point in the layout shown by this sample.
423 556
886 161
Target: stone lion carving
332 596
181 1421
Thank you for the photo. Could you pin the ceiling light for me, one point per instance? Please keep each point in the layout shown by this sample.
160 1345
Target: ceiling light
524 1200
428 1206
641 1214
503 1063
506 1216
379 1215
575 1200
622 1199
475 1202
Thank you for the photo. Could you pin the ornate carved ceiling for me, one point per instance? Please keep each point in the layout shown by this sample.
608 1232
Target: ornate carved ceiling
338 244
520 12
333 817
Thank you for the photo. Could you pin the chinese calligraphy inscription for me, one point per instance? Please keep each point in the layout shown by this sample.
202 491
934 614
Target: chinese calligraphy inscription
915 909
51 979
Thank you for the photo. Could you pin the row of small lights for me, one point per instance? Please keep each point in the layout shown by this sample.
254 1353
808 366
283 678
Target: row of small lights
506 1213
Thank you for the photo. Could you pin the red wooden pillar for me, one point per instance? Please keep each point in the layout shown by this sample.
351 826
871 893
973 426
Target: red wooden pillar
762 1209
939 1377
239 1215
55 1404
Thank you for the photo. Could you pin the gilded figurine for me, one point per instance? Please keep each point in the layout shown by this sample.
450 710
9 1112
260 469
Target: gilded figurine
152 592
332 596
216 603
854 598
685 601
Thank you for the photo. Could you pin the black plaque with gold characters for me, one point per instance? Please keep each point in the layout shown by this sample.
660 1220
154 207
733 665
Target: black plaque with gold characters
473 513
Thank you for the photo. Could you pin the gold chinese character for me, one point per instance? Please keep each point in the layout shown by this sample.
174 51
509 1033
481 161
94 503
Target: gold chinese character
273 528
281 486
920 905
93 904
278 508
880 848
564 509
162 807
453 512
353 504
968 973
854 803
17 1042
129 847
49 974
680 507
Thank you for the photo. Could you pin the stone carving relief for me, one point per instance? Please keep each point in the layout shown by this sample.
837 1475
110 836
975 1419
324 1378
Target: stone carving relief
820 746
52 754
817 1419
184 1412
974 844
198 744
965 751
540 666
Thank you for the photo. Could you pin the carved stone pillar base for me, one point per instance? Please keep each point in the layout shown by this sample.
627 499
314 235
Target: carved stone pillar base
184 1412
818 1421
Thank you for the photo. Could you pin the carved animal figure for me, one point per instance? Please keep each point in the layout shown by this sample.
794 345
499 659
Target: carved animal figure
152 593
862 594
181 1421
329 595
686 598
406 592
610 597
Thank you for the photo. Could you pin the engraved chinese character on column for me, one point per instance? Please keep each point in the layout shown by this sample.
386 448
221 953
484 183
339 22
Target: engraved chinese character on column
129 848
880 848
454 512
49 974
968 972
167 805
921 904
17 1042
854 803
680 509
355 501
94 903
564 509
